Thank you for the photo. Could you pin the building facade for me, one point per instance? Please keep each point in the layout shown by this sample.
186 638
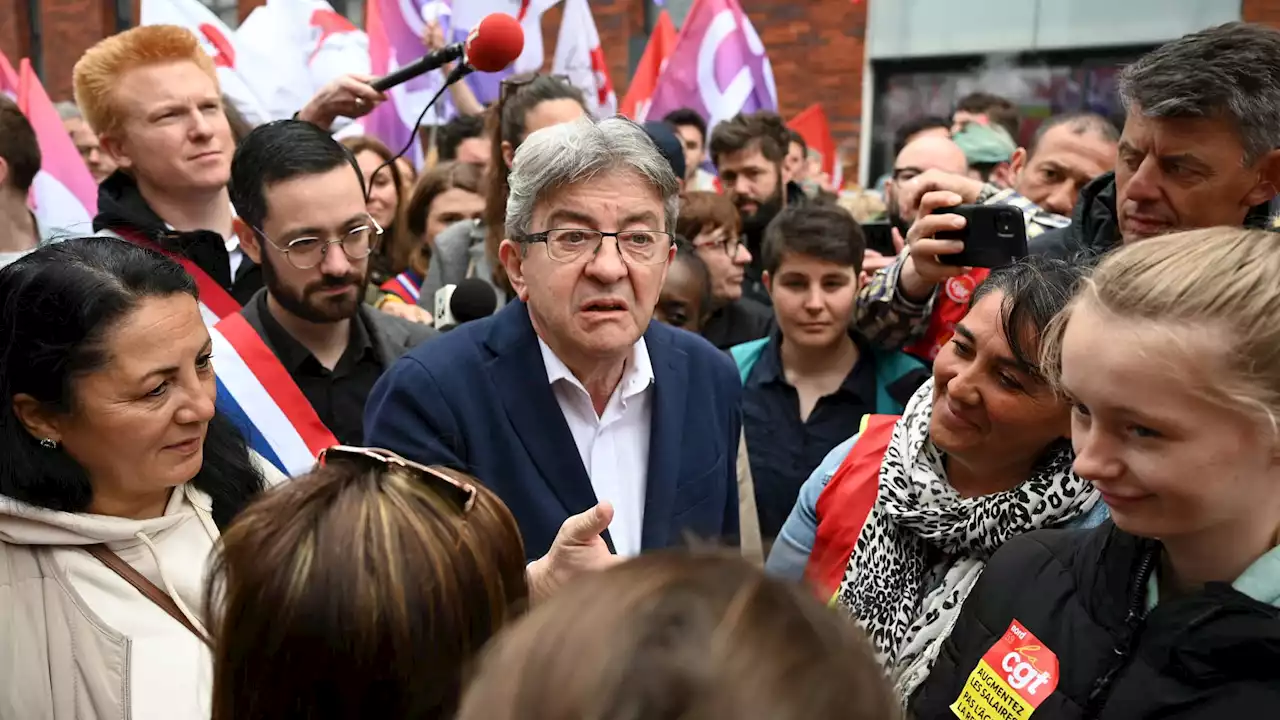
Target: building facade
869 62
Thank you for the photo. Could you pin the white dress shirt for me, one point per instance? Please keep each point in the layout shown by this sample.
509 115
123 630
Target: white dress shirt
614 446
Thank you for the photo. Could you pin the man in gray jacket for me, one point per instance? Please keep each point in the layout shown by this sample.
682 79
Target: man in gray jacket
300 200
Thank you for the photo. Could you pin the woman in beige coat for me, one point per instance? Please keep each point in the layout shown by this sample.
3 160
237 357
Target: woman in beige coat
118 473
118 477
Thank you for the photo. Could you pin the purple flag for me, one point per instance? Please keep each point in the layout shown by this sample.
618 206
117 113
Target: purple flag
718 68
395 29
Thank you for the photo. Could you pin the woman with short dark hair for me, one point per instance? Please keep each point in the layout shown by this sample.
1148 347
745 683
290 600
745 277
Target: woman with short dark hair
118 476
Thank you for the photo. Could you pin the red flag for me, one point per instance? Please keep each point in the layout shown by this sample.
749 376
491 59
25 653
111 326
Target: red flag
661 43
812 125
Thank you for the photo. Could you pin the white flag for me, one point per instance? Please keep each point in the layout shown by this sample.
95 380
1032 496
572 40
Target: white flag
220 42
580 58
306 44
530 14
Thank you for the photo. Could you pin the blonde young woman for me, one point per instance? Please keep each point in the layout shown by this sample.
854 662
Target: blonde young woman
1171 355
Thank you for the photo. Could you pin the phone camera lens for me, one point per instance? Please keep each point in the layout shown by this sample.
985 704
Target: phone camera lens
1004 225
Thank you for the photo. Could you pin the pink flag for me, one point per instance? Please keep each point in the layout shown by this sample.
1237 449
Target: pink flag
580 58
719 67
64 196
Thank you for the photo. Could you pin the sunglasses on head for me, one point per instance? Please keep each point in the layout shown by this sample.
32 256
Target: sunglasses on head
464 493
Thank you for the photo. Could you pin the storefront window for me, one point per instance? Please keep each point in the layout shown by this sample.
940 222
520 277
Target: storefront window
1041 87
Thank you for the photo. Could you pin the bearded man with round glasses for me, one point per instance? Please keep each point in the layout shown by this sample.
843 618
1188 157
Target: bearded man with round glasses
573 395
299 196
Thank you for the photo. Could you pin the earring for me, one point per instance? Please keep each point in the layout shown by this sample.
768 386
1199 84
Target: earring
49 444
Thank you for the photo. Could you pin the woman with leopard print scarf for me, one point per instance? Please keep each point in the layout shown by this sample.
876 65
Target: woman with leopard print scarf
979 456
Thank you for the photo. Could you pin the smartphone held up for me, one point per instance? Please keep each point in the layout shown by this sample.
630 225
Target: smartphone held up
993 236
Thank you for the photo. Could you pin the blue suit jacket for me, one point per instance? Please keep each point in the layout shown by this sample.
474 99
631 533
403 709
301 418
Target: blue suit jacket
477 399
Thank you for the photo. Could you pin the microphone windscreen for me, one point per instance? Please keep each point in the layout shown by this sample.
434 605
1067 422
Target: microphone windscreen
472 299
495 43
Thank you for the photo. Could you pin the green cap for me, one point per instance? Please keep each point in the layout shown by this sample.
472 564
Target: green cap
984 144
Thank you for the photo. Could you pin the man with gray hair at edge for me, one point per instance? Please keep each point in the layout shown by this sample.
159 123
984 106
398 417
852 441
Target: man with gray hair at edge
572 397
1200 147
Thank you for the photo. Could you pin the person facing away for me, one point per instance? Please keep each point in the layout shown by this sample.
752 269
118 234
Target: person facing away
675 635
572 395
152 95
1172 609
364 589
712 224
113 453
301 216
808 384
897 523
526 104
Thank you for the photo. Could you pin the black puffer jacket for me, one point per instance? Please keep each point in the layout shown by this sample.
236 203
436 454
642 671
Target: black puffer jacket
1212 655
122 210
1095 229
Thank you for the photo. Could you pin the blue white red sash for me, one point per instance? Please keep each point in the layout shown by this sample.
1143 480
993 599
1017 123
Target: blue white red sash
406 281
254 389
257 393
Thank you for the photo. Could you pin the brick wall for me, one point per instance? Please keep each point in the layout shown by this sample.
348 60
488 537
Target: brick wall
1261 11
816 49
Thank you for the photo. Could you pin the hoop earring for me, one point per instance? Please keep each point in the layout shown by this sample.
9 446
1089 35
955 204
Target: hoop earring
49 444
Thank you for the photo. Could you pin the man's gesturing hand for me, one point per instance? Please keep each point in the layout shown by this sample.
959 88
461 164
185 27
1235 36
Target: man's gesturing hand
922 271
344 96
578 548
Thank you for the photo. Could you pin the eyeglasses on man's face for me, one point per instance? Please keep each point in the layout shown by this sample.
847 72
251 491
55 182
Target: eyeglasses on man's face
308 251
638 247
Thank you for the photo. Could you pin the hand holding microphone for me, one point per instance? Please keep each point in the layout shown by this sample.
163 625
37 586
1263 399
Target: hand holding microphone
493 44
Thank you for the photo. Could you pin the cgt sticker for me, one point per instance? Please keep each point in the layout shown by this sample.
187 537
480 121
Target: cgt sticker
1011 680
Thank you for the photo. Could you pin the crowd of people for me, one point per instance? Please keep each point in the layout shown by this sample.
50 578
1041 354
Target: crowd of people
711 449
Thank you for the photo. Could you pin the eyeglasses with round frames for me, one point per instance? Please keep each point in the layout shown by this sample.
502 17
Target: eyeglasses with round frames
307 252
640 247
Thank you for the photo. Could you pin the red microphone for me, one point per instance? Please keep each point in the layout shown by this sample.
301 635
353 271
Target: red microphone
494 43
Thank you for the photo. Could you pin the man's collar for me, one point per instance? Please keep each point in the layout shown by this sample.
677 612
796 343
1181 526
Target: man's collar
768 369
291 353
231 240
637 374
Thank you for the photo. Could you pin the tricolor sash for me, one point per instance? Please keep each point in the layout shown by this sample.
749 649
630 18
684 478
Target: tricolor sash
215 302
409 285
254 389
259 395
